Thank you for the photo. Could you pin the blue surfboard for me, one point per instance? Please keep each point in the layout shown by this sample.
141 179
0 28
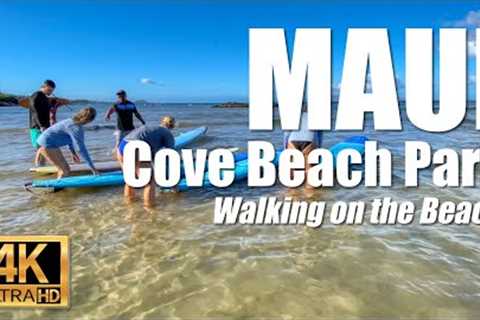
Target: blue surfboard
241 167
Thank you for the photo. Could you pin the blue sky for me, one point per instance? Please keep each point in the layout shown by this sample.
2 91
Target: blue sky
192 51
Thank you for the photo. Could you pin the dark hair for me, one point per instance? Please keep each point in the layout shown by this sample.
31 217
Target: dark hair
49 83
85 115
121 93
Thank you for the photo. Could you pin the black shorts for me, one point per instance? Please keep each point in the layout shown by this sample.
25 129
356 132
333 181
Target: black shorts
301 145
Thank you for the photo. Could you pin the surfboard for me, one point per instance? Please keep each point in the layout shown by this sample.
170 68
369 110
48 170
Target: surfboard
241 167
110 179
189 137
182 139
54 101
78 168
114 178
107 166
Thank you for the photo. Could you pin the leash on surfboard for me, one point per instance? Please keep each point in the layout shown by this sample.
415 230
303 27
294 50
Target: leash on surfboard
28 187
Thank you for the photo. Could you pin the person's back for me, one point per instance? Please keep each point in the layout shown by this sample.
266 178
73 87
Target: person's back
155 136
39 111
125 111
58 135
69 133
303 133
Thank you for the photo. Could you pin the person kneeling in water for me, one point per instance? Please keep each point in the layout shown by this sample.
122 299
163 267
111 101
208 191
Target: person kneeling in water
157 137
69 133
303 139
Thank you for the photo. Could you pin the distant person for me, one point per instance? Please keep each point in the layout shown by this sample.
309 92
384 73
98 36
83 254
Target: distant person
69 133
303 139
41 113
125 110
157 137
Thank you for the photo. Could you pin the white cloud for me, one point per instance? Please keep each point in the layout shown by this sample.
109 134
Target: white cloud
147 81
151 82
472 20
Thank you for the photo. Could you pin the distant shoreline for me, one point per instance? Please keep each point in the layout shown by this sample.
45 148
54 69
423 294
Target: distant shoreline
11 100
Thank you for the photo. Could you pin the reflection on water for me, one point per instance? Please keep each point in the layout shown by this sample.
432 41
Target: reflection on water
172 262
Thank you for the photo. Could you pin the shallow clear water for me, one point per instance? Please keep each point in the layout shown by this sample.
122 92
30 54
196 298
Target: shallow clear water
172 262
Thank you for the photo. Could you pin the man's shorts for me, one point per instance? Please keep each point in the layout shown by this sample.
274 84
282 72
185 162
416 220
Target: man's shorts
34 134
119 135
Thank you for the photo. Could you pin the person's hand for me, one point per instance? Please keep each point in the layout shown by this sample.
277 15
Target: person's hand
75 158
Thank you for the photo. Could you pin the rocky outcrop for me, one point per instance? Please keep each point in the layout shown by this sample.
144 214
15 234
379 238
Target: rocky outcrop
8 100
231 105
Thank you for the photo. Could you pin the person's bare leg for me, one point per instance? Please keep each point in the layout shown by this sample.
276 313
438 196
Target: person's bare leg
120 159
149 195
129 193
118 138
291 146
39 158
55 156
306 152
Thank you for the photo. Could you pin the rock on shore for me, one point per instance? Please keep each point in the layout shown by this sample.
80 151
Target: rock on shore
231 105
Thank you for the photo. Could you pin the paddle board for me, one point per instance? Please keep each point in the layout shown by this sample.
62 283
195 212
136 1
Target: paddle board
116 178
77 168
241 167
54 101
181 140
110 179
106 166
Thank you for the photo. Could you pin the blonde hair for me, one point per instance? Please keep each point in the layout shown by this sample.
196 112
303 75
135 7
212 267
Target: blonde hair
168 122
85 115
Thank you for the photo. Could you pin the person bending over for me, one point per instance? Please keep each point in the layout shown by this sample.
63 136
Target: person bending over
303 139
69 133
125 111
157 137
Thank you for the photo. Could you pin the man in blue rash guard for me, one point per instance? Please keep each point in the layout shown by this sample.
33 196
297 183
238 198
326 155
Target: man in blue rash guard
125 110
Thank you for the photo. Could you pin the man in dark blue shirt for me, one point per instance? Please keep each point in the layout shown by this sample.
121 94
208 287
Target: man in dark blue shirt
125 110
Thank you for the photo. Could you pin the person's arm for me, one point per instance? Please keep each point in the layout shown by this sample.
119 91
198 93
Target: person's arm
138 115
109 113
78 140
75 156
53 115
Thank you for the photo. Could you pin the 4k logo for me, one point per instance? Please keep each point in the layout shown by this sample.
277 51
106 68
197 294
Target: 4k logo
34 271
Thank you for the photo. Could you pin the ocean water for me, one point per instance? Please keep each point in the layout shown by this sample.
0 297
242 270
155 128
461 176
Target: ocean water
173 262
